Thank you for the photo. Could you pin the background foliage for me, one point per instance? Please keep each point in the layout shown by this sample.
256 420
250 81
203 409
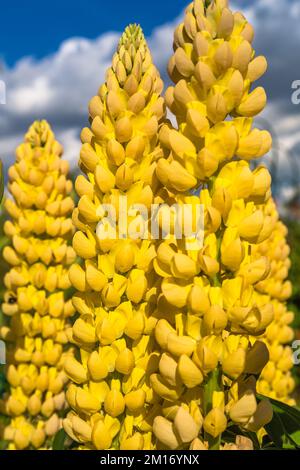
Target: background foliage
294 303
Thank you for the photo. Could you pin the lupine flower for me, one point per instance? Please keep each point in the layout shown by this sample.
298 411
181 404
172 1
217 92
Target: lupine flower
212 314
116 297
276 380
35 302
172 338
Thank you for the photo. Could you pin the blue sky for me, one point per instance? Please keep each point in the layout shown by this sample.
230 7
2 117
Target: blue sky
39 27
53 57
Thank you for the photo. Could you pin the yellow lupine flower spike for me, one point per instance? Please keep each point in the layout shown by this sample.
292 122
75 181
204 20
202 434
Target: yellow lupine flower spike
212 314
213 68
172 338
116 295
40 230
276 380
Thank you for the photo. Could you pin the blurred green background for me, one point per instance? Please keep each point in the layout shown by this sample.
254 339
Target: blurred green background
294 302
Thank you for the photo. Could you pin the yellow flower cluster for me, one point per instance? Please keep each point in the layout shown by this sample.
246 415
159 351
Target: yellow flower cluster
116 294
35 302
171 336
175 331
210 310
276 379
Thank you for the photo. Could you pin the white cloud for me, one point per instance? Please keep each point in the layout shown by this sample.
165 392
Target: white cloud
70 139
59 87
28 98
161 43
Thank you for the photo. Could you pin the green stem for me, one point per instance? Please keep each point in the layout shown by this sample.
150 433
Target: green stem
207 3
213 384
217 281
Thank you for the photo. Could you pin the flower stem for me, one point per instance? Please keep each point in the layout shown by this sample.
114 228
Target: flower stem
213 384
207 3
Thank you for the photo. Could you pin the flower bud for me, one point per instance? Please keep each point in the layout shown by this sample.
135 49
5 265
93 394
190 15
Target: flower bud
198 300
48 407
83 246
101 438
244 408
253 104
34 405
125 362
197 444
97 368
15 407
135 400
262 416
189 373
164 432
175 294
178 345
137 286
13 376
124 258
183 267
77 277
233 364
205 358
21 440
86 401
37 438
124 177
185 426
82 429
114 403
75 370
215 320
257 68
167 368
52 425
215 422
163 388
162 332
84 331
95 278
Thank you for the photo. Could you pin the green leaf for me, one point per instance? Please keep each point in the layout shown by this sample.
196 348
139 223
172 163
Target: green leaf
3 445
276 431
254 439
290 410
213 383
284 429
292 427
59 440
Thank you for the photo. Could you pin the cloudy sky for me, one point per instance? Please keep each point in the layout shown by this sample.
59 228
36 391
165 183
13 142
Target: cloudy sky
53 60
